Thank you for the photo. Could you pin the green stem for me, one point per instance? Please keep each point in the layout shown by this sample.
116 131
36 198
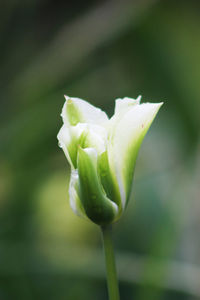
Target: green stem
112 282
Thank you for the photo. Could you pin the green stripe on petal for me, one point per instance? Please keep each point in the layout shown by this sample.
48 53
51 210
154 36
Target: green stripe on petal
100 209
125 140
73 113
107 180
76 110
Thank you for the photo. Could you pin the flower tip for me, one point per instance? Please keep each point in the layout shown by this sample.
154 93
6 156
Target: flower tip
156 107
139 99
66 97
160 104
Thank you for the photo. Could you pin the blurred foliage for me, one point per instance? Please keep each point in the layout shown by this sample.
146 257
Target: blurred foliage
98 51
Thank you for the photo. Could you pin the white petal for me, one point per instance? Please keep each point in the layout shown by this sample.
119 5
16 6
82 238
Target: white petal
84 135
124 104
96 137
64 140
124 142
74 198
68 138
86 111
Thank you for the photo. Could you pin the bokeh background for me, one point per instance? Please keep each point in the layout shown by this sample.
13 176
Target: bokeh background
99 51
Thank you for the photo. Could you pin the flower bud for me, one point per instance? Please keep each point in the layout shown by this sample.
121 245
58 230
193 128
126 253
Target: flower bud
102 153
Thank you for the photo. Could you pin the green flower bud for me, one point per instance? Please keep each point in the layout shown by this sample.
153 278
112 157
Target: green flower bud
102 153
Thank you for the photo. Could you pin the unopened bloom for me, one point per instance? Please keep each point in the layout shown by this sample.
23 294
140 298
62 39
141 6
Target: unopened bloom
102 154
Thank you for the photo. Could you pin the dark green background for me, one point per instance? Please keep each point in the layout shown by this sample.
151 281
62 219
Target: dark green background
98 51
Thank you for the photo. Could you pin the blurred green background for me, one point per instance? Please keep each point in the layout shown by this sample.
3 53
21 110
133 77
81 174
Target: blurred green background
99 51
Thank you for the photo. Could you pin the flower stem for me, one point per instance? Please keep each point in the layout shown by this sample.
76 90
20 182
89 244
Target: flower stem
113 289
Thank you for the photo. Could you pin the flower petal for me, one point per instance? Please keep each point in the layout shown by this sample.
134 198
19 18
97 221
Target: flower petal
74 198
76 110
94 136
84 135
68 138
108 182
125 139
98 208
125 104
122 105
